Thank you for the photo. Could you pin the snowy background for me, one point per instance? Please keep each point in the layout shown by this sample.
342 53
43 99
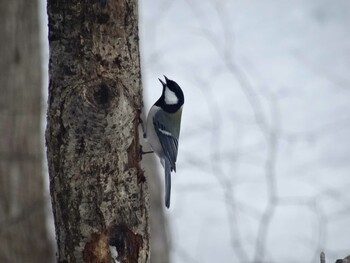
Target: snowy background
264 159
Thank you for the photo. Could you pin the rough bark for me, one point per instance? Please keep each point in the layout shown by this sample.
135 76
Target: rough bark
23 233
98 190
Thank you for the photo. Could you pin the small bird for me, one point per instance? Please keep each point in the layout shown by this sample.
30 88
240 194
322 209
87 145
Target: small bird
163 129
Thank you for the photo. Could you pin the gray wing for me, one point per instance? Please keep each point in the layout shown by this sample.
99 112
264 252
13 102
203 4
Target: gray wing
167 140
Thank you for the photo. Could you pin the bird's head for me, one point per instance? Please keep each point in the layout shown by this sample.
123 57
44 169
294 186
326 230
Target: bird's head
172 93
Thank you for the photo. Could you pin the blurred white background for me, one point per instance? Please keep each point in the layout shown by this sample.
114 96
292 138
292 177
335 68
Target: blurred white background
264 162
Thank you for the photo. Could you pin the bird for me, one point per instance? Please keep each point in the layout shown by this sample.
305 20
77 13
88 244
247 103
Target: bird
163 129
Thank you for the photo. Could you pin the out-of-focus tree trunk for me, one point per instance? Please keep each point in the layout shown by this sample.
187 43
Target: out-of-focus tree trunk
160 240
23 233
160 245
99 193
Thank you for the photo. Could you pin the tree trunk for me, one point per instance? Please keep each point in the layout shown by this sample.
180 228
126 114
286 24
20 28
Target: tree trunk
23 233
99 193
160 235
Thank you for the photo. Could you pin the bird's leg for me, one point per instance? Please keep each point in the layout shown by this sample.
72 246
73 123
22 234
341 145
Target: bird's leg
141 152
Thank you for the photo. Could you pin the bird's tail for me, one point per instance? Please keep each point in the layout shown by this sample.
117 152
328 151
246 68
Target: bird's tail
167 182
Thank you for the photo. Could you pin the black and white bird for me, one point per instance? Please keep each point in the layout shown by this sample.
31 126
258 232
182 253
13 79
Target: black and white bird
163 129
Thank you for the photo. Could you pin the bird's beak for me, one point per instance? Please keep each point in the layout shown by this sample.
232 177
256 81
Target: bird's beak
161 81
166 79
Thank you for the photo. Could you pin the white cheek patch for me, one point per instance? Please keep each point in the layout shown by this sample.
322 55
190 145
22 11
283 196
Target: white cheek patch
170 97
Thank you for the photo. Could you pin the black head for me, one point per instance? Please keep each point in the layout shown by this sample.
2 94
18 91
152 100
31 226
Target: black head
172 96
